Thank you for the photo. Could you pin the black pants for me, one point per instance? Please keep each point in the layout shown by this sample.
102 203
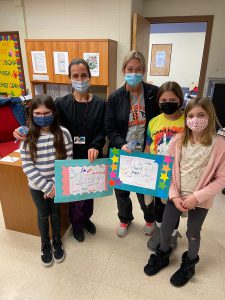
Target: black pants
195 220
46 208
159 211
124 205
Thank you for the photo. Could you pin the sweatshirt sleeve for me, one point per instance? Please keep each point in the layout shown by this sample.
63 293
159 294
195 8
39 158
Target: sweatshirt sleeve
114 136
215 186
148 136
68 142
31 171
99 140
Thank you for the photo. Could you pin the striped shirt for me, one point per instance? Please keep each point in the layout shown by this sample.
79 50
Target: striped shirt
41 173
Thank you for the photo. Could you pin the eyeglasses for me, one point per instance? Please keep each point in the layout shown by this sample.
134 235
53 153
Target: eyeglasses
45 114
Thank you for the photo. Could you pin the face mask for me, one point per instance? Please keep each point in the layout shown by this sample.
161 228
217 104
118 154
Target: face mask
169 108
81 86
133 79
43 121
197 124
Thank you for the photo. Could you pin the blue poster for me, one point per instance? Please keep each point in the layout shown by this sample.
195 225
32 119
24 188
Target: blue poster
139 172
79 179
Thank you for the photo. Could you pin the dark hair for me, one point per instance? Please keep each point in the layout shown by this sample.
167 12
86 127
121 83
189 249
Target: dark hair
79 61
55 129
171 86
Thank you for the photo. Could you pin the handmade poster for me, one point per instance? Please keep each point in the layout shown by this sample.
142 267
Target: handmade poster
93 61
39 62
139 172
12 81
79 179
61 62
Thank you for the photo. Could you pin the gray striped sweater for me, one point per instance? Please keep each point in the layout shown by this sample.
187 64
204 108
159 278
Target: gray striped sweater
41 173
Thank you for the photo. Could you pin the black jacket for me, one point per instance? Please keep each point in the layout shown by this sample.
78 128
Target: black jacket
95 136
118 110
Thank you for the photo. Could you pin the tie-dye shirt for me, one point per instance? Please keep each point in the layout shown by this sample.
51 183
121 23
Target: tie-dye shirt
160 131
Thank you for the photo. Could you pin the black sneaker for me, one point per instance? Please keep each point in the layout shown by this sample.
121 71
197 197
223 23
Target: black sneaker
46 254
78 235
58 251
90 227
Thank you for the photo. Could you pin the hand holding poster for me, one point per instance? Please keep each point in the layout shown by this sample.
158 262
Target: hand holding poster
81 180
140 172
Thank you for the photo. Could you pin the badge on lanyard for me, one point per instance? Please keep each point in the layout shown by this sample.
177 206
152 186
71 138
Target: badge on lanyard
79 140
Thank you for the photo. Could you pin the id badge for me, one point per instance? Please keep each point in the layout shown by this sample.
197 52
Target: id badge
79 140
221 132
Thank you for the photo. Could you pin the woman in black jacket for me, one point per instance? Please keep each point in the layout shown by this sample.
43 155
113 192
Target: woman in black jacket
128 112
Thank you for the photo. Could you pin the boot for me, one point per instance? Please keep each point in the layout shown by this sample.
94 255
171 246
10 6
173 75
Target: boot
186 271
156 262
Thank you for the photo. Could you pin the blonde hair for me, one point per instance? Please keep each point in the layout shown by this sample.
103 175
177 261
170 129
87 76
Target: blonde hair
133 55
210 132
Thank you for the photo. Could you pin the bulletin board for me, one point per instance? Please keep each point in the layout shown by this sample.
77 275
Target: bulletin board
12 80
160 59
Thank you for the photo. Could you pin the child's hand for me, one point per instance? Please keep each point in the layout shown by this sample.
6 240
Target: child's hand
125 148
190 202
17 135
51 194
178 203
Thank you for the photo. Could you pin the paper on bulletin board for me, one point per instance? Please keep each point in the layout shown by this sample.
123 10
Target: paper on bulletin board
139 172
81 180
39 62
160 59
93 61
61 62
11 69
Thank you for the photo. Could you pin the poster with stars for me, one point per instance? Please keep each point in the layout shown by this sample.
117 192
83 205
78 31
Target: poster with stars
79 179
138 172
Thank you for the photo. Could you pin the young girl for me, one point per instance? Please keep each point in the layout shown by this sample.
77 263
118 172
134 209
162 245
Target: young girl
46 141
160 131
198 175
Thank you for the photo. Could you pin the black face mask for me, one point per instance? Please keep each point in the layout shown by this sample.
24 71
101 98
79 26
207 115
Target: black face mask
169 108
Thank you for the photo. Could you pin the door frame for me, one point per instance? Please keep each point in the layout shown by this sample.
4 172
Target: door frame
189 19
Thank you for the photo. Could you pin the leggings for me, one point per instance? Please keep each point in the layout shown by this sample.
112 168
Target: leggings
195 220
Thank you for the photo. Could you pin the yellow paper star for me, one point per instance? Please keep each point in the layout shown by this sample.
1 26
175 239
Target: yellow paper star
164 176
166 168
115 159
114 167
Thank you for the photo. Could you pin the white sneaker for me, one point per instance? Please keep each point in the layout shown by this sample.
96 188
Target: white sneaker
122 229
149 228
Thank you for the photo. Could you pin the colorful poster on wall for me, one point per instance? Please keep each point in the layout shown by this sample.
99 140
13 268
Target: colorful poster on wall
81 180
93 61
11 68
143 173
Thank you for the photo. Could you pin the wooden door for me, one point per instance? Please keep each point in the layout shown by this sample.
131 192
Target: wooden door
140 37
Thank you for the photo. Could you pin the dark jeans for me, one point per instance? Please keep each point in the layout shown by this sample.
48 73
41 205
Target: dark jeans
195 220
80 212
159 211
124 205
46 208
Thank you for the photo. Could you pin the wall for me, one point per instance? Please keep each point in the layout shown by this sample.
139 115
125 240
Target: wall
160 8
63 19
183 68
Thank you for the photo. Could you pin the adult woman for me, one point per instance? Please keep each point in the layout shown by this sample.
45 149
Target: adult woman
128 112
83 115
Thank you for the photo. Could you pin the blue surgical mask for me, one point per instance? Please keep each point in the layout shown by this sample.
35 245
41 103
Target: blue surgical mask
43 121
133 79
81 86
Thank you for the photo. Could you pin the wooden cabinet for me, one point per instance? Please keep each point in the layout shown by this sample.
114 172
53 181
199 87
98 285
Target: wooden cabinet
107 50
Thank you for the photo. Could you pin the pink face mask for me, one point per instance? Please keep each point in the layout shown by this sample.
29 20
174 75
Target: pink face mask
197 124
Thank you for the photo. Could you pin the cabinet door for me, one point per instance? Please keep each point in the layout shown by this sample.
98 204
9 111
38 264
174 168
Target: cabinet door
100 47
58 62
40 63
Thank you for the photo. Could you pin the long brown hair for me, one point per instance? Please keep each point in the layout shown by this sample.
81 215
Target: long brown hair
210 132
55 129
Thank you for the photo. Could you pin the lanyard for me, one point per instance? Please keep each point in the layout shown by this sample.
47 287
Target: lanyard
135 116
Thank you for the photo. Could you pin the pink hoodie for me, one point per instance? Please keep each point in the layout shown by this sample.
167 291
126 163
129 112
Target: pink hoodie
213 178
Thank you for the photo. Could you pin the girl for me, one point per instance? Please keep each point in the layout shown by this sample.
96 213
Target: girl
198 175
160 131
46 141
128 112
